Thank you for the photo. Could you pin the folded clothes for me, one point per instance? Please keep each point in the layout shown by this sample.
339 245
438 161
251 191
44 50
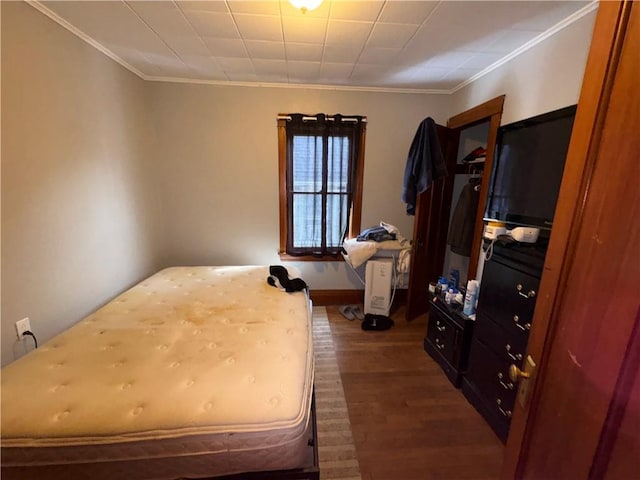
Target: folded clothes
376 234
356 253
474 154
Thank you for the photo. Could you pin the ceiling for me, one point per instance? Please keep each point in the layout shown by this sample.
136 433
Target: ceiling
434 46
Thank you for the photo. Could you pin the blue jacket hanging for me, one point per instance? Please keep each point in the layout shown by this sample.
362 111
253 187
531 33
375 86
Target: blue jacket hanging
425 163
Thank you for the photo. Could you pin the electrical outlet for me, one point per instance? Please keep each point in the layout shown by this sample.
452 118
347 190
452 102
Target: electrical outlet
22 326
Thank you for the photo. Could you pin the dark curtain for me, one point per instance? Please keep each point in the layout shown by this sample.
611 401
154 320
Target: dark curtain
321 169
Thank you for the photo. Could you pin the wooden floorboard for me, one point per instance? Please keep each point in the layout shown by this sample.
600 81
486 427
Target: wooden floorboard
408 420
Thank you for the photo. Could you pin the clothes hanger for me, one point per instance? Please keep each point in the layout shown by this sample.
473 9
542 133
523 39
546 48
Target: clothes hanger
475 176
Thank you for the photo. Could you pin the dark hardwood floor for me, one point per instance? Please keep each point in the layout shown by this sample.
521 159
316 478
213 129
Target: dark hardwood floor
408 420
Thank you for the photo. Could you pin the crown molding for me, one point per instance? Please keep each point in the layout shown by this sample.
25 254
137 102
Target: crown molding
530 44
80 34
348 88
313 86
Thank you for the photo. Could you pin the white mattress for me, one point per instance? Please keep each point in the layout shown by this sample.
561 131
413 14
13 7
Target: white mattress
209 364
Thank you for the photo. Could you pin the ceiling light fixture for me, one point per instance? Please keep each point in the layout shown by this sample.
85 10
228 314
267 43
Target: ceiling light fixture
305 5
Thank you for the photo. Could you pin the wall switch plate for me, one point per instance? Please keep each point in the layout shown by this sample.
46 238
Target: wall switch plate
22 326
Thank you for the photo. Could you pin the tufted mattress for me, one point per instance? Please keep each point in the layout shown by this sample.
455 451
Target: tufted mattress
196 371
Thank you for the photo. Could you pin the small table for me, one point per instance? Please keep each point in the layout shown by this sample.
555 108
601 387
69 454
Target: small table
448 337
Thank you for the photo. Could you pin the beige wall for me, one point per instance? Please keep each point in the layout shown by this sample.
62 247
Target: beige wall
78 211
218 152
542 79
106 178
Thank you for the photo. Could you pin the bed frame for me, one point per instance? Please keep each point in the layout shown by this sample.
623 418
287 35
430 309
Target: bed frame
311 472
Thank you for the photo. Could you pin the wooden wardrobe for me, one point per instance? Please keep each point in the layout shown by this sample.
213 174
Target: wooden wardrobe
433 207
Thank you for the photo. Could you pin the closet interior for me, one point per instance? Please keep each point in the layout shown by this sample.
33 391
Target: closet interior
473 129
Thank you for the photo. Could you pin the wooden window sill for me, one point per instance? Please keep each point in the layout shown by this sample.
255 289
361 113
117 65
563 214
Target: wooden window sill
310 258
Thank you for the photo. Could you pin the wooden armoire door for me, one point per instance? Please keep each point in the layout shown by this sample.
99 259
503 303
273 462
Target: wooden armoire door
583 421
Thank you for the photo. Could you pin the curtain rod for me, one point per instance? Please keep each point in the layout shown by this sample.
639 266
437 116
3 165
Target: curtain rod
328 117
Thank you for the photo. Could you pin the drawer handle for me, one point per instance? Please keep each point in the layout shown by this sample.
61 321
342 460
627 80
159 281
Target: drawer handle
525 327
439 346
506 386
506 413
529 294
517 356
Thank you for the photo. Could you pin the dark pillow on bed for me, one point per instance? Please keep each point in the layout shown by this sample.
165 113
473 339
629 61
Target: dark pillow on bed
280 275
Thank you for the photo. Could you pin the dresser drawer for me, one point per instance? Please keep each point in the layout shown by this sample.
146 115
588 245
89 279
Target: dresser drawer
490 375
448 338
443 334
509 346
508 296
498 422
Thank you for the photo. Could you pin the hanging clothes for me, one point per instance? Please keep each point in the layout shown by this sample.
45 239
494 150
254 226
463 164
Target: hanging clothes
464 219
425 163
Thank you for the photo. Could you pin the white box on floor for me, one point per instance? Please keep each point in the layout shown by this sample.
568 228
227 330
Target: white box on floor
377 287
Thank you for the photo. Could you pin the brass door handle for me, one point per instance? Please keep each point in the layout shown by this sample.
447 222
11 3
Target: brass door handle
525 378
515 374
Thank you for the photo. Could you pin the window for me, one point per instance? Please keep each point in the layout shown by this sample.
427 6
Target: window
321 163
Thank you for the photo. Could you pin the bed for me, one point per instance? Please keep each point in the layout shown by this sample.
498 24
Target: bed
195 372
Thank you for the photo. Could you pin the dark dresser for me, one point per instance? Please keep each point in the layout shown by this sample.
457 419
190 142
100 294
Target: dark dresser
448 337
508 294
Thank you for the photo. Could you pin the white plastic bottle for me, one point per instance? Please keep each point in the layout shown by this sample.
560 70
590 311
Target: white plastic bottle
471 297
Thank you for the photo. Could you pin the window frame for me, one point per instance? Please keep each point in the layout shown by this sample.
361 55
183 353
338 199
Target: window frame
355 216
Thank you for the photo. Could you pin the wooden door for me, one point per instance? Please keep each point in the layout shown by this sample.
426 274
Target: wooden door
584 414
430 229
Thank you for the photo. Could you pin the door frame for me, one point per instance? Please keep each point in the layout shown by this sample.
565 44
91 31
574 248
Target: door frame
597 84
491 111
